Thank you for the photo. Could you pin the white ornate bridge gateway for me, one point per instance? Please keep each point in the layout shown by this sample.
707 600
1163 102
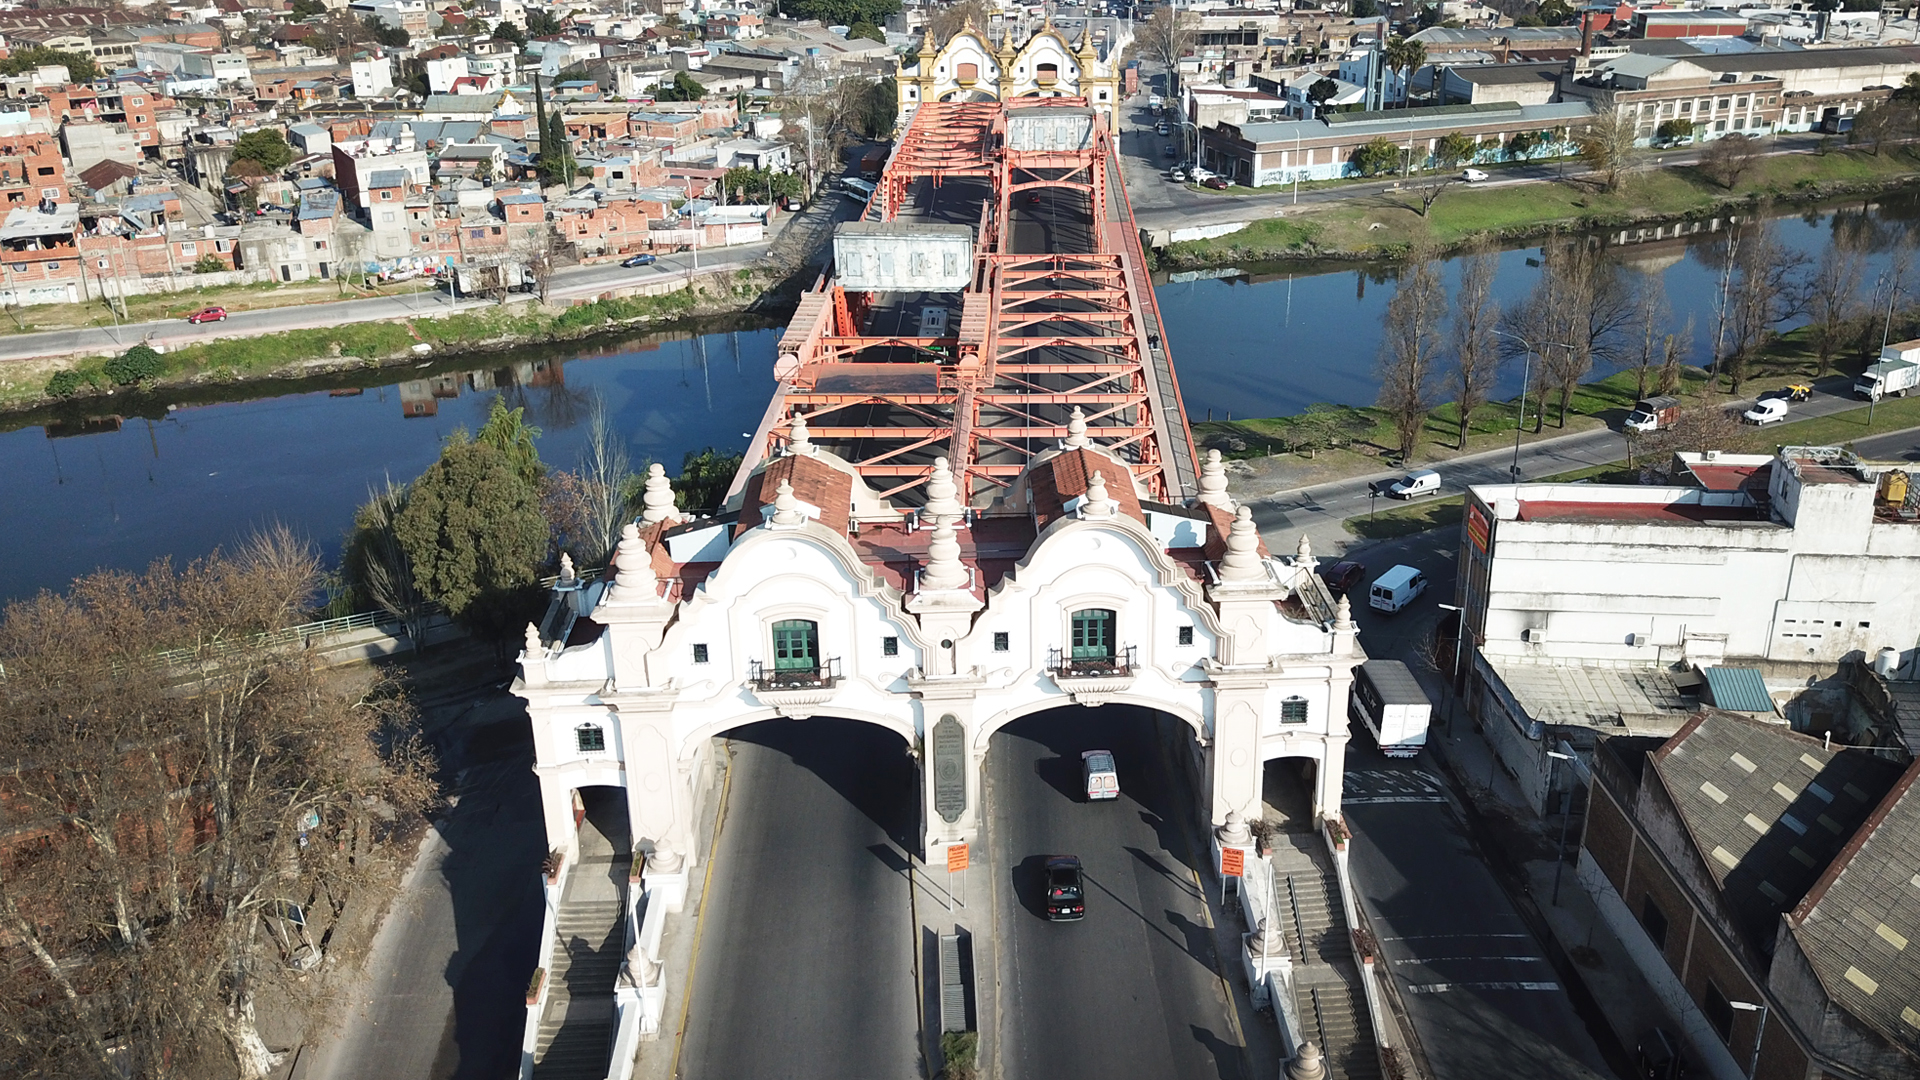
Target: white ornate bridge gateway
973 498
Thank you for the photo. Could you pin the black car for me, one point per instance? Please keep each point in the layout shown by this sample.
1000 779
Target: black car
637 260
1342 576
1066 900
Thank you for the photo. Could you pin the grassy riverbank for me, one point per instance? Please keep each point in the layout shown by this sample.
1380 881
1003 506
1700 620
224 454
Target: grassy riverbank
1383 226
375 344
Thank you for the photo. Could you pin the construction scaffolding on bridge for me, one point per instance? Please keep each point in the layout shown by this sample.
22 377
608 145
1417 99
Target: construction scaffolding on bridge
994 284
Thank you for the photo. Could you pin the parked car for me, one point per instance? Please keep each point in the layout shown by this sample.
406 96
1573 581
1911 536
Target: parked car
1770 411
1066 899
1162 128
1342 576
1096 768
1177 174
639 260
792 203
1396 588
1415 484
1169 151
208 314
1216 183
1473 176
1033 198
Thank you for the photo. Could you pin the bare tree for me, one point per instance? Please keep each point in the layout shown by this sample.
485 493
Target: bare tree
607 482
1833 298
1728 158
1607 146
1429 187
1673 353
1475 351
1651 312
1410 348
1761 293
1698 429
194 821
950 20
1575 317
377 566
1166 37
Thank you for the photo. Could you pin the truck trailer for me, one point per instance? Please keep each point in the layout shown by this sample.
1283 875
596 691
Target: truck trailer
1387 699
1653 414
1897 372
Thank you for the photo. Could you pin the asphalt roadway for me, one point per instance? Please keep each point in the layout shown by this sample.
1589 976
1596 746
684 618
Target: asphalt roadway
1485 1002
1131 990
806 962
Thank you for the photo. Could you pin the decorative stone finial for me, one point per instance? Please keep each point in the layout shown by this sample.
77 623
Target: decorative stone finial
633 578
798 441
1077 430
1098 505
786 508
1213 482
1307 1064
664 859
944 570
1242 563
1343 616
1234 831
566 568
1303 553
534 646
943 502
657 501
1269 940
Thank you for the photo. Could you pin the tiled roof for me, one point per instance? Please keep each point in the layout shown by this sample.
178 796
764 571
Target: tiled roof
813 482
1063 478
1857 923
1767 809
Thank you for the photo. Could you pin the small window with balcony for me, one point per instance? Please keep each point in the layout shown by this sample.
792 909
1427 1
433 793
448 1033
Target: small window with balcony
796 645
1092 634
1293 710
590 739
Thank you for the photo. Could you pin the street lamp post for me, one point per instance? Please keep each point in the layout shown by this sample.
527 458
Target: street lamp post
1566 815
1296 167
1753 1063
1193 160
1520 420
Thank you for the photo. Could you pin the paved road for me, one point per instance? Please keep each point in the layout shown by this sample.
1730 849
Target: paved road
570 283
806 962
1319 510
442 994
1484 1001
1131 990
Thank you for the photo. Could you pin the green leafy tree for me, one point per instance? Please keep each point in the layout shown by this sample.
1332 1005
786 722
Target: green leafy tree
307 9
684 87
80 67
208 264
1453 149
868 31
1673 131
265 147
65 383
394 37
704 478
1405 56
1377 158
760 185
542 24
507 431
1523 143
472 530
506 31
1321 92
138 364
1365 9
842 12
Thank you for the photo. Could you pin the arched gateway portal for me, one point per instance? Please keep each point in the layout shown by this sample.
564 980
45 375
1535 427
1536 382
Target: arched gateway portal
943 624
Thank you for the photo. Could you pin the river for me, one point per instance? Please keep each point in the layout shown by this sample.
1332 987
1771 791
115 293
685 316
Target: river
180 475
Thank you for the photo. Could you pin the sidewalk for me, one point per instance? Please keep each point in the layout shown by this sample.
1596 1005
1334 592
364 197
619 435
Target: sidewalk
1610 984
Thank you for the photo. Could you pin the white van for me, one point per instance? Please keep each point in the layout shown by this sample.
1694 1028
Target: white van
1396 588
1097 769
1415 484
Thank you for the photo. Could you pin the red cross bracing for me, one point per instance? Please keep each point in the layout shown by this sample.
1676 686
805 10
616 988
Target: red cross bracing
1056 313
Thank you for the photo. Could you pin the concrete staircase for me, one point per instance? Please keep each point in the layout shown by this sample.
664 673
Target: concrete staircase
1327 996
576 1029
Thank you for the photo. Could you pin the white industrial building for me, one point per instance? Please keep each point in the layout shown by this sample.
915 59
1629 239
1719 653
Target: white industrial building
1602 610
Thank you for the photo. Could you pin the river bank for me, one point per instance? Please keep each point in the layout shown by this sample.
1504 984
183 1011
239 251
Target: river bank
1381 228
323 352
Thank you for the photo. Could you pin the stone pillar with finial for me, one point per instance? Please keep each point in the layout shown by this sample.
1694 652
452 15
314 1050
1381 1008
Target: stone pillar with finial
666 876
1097 504
798 441
1344 630
533 661
943 497
786 508
1307 1064
944 601
656 500
1076 431
1303 555
1246 595
635 614
567 576
1243 565
1213 482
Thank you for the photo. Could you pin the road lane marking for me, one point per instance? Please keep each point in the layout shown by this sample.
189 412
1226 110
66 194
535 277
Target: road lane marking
1443 988
1372 800
1435 937
1444 959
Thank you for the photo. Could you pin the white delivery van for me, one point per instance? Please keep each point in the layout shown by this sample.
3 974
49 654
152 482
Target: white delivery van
1388 701
1102 781
1396 588
1415 484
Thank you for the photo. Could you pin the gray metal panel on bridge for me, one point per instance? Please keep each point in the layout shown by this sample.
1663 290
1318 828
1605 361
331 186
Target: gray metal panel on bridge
873 256
1041 129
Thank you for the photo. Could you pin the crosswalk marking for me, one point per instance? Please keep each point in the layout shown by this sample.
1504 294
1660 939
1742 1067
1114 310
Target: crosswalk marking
1372 800
1447 987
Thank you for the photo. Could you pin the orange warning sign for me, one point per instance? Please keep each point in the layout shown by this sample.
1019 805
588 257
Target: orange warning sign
1233 861
956 858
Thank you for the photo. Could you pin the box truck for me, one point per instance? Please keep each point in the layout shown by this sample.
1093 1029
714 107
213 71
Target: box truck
1387 699
1652 414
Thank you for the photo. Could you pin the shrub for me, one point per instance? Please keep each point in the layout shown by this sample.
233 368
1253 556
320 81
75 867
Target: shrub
138 364
65 383
209 264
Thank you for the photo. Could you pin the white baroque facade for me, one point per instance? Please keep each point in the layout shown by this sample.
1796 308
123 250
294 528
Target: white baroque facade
970 67
814 597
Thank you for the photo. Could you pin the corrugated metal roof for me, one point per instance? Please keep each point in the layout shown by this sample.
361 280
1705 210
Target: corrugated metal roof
1738 689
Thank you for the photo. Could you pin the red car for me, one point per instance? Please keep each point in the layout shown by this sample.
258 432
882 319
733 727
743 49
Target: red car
1216 183
208 314
1342 576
